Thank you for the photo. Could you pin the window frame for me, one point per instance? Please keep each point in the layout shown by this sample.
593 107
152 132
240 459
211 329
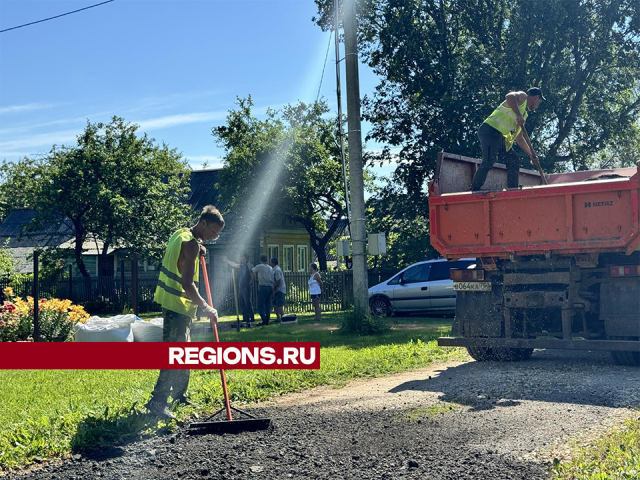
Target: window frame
449 266
270 255
306 257
284 258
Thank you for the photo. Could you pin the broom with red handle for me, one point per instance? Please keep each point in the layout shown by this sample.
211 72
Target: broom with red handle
229 425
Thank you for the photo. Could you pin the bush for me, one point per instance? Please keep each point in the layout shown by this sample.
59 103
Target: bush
57 318
13 325
101 305
364 324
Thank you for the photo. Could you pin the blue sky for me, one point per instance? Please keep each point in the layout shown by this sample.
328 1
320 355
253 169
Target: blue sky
174 67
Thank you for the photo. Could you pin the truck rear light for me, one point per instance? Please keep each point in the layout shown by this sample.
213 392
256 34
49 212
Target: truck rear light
625 271
467 275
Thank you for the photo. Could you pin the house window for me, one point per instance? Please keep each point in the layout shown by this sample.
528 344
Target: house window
272 251
287 258
302 258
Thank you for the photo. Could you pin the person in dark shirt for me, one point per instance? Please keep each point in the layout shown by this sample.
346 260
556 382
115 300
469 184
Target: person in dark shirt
247 277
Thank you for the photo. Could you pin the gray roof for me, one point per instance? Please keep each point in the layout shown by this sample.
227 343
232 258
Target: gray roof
204 191
13 232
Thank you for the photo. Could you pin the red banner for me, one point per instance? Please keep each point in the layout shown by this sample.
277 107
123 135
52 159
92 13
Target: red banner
154 356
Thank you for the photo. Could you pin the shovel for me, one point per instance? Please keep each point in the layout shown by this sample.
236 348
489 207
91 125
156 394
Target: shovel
229 425
525 135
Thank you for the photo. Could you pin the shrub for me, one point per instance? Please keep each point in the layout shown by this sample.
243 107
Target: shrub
13 325
57 318
364 325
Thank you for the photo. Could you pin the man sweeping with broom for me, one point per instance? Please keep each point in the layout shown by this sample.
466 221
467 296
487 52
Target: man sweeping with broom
179 297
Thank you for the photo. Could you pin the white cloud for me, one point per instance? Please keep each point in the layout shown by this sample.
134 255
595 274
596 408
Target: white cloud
180 119
25 108
43 139
25 128
170 100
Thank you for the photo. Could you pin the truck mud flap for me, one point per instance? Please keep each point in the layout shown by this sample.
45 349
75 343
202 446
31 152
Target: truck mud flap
623 345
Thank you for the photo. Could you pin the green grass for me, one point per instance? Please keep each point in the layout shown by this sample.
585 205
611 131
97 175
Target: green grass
50 413
615 456
439 408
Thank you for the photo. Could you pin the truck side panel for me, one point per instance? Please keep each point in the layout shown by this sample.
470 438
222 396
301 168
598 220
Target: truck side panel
589 217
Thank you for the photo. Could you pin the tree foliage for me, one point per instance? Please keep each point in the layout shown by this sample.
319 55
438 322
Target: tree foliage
444 65
7 263
112 186
289 163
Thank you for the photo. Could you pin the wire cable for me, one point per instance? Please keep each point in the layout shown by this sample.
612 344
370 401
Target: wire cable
57 16
323 68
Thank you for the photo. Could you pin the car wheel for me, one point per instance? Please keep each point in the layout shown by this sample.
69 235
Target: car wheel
380 307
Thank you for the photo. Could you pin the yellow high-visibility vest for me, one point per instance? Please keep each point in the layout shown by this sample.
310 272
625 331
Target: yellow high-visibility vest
169 292
503 119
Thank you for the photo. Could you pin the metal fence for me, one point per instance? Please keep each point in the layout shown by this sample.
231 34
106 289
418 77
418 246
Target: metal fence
98 294
114 294
337 293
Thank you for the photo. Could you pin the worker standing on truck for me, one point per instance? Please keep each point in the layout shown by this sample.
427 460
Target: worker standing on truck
501 130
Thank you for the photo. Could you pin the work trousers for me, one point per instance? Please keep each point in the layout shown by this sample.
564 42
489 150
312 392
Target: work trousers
264 303
244 303
176 328
493 148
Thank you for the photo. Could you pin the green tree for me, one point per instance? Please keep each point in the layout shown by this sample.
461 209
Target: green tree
393 212
444 65
289 161
112 186
7 263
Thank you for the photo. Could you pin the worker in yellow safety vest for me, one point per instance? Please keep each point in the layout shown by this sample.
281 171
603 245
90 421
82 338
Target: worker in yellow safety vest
178 295
501 130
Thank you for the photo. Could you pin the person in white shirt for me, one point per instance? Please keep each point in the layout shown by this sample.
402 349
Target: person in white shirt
279 289
264 274
315 290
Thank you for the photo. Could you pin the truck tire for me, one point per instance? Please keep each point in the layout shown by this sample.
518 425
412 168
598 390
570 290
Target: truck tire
499 354
631 359
504 354
620 357
481 354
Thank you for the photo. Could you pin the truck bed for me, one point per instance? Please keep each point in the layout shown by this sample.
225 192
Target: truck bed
578 212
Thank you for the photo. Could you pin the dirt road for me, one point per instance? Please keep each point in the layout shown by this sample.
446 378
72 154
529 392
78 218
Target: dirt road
450 421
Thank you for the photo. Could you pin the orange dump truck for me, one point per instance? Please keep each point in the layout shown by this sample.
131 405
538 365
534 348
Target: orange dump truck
558 265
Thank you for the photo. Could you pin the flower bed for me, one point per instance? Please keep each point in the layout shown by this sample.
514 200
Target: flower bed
57 318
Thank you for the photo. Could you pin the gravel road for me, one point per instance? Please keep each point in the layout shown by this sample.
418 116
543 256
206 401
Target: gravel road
454 420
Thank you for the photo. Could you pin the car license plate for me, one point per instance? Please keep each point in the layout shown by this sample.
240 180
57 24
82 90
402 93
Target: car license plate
472 286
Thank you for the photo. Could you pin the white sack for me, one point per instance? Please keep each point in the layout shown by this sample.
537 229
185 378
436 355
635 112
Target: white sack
113 329
150 331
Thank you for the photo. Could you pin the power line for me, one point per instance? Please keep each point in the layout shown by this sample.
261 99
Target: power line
325 66
57 16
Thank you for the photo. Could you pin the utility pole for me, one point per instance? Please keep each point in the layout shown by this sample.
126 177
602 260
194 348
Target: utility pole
336 14
356 177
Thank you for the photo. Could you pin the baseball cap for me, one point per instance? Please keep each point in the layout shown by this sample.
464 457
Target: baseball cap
535 91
